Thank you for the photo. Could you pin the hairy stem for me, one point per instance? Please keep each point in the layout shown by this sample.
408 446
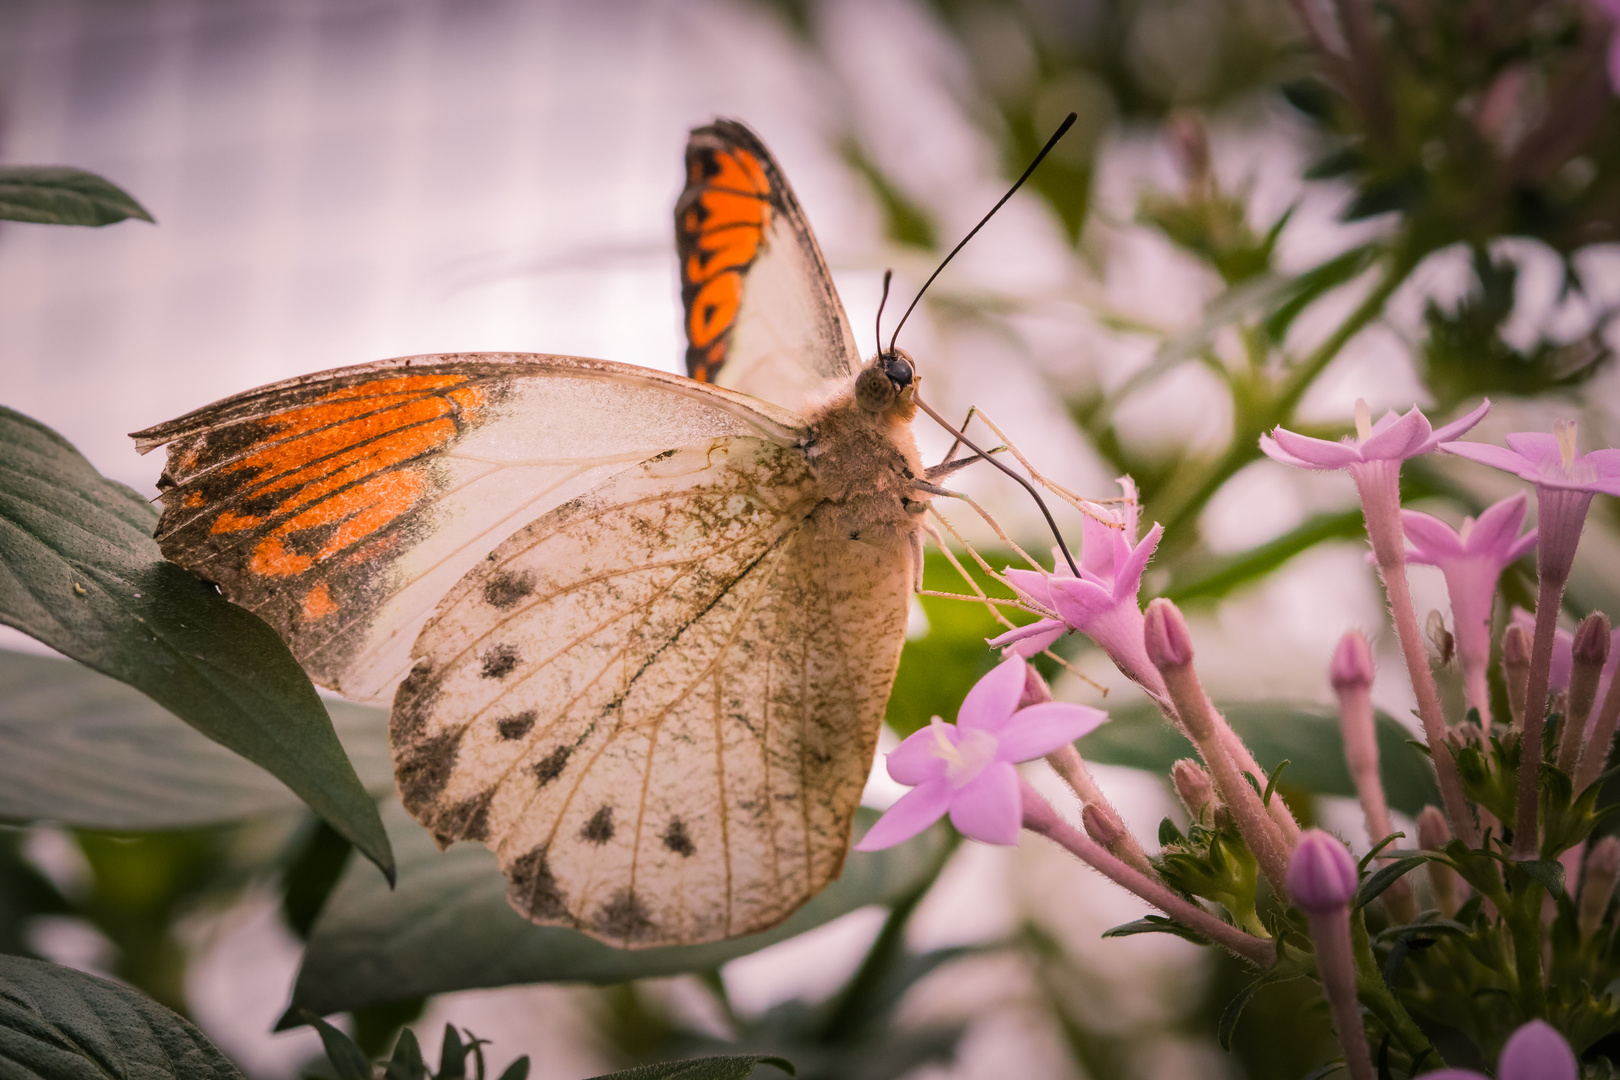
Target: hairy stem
1039 817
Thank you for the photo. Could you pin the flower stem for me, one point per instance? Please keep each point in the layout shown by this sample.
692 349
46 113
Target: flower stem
1378 482
1549 594
1067 763
1039 817
1336 965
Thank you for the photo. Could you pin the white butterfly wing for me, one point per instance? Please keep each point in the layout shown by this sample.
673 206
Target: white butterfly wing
762 315
659 702
341 507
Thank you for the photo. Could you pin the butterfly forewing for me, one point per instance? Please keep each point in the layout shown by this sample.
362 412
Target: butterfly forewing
659 702
762 315
341 507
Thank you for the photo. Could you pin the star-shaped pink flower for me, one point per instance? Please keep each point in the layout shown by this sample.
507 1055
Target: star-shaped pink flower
1393 438
966 768
1102 602
1472 559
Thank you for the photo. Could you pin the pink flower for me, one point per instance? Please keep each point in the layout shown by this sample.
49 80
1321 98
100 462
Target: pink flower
1393 438
1534 1052
1321 874
1565 480
1102 602
966 768
1472 559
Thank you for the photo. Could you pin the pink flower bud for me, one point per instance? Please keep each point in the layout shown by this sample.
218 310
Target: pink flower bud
1321 873
1592 640
1352 664
1537 1052
1102 826
1597 885
1195 788
1165 635
1433 832
1516 647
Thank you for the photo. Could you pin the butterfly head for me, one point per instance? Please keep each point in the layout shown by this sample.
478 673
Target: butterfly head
887 383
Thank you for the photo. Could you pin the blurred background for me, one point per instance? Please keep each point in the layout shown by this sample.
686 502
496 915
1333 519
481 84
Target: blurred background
336 181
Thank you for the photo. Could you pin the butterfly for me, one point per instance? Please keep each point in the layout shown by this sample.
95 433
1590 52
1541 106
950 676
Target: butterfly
638 630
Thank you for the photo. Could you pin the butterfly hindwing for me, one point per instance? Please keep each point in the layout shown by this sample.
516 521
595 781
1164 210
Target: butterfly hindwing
341 507
659 702
762 315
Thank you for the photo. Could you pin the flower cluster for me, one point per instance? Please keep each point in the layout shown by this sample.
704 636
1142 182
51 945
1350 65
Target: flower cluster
1506 813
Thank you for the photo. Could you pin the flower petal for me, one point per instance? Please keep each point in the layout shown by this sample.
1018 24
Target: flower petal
1081 602
1498 525
989 808
1030 584
1097 542
1398 441
1026 641
1605 471
1040 729
1128 576
1537 447
993 698
1496 457
1269 447
1520 547
911 814
1448 432
1431 538
915 761
1317 453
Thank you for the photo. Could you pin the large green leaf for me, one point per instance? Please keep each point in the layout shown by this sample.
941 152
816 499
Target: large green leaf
61 1024
736 1067
1306 736
79 570
82 749
55 195
448 926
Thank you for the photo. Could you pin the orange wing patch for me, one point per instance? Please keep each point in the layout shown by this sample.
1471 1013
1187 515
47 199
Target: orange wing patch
720 225
292 509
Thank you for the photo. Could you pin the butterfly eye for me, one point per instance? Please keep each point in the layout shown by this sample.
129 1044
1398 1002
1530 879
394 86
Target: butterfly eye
898 368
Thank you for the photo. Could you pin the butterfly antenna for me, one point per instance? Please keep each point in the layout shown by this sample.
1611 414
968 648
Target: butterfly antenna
888 275
967 442
1047 149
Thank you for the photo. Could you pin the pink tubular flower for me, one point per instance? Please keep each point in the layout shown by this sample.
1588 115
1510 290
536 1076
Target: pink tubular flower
966 768
1472 559
1534 1052
1102 602
1393 438
1565 480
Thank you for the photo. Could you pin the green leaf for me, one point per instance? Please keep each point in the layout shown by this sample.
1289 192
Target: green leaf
79 748
79 570
452 1056
1211 578
406 1062
709 1068
448 925
518 1070
1234 1009
61 1024
1373 885
347 1059
56 195
1549 872
1306 735
1153 924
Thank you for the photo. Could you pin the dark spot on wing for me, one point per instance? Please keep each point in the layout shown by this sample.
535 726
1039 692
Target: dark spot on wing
504 589
552 765
624 917
515 726
466 820
676 839
599 830
499 662
422 769
412 702
533 890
